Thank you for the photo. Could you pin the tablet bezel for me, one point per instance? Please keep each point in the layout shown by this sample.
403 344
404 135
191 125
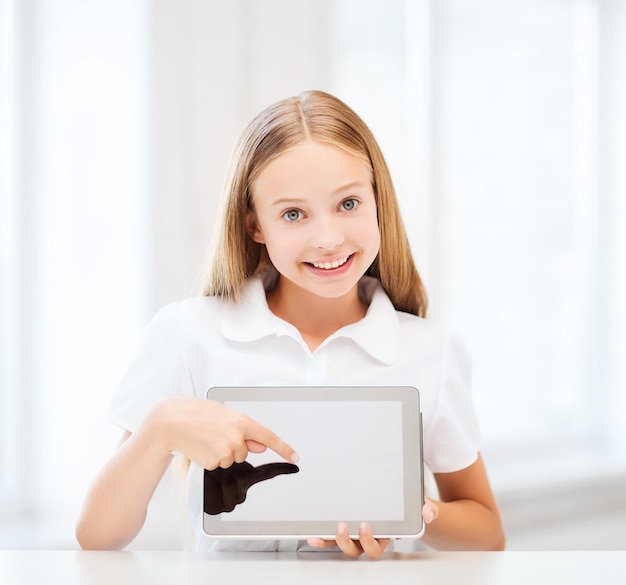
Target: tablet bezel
412 526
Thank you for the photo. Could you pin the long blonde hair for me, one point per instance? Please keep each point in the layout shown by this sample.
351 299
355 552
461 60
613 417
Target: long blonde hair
319 116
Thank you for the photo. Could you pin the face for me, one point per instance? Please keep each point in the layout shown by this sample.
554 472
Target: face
315 211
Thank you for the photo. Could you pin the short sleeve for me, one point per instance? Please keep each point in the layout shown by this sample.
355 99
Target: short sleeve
452 439
157 371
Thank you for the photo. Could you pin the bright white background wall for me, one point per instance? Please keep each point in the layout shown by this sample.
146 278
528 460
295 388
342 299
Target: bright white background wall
503 123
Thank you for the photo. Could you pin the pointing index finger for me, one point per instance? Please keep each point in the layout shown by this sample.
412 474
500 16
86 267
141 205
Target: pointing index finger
263 435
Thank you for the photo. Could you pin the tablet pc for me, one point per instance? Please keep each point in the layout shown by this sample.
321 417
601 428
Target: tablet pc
361 459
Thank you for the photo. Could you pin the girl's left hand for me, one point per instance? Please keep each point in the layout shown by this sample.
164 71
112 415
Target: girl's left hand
367 544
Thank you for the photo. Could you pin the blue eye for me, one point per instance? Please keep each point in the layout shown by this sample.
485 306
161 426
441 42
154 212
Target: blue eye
292 215
349 204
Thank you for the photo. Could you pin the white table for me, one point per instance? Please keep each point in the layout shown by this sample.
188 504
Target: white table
25 567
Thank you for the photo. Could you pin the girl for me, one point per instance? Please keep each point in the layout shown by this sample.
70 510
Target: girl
311 282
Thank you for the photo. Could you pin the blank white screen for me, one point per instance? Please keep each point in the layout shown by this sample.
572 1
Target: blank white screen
347 471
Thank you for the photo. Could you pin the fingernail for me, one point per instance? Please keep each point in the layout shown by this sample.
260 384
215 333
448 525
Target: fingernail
363 527
295 457
343 527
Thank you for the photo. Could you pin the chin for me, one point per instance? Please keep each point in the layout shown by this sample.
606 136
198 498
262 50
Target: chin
332 292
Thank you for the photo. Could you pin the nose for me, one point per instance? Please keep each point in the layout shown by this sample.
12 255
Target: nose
326 233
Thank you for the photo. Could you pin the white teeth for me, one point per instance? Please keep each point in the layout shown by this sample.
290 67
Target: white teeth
330 265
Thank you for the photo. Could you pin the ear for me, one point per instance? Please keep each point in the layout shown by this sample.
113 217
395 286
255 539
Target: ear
253 229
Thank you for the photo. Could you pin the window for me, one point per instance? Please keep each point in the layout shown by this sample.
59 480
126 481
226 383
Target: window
8 355
516 179
72 159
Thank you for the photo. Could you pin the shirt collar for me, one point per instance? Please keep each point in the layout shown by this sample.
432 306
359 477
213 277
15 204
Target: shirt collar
378 332
250 319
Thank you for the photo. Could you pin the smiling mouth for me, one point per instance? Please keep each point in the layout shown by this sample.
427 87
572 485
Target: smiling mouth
330 265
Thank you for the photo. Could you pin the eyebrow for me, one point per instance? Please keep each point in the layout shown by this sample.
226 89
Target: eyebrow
341 189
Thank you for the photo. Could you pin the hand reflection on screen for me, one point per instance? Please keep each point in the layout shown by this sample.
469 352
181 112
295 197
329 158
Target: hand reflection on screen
226 488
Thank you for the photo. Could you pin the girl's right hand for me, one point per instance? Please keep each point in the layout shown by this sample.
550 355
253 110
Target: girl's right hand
209 433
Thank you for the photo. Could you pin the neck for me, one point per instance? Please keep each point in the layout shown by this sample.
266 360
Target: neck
315 317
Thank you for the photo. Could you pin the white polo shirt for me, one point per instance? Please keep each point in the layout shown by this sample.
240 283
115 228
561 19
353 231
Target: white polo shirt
202 342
